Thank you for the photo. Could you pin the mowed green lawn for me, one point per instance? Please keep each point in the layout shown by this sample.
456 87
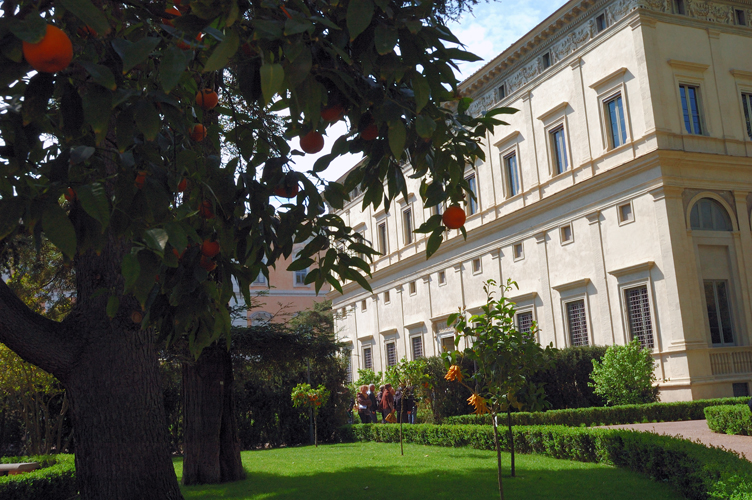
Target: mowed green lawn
377 471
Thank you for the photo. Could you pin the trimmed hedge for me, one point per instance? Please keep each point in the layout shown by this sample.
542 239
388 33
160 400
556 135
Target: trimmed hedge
696 471
55 481
611 415
730 419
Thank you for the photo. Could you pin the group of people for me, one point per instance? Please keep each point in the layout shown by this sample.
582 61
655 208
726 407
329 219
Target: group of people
375 406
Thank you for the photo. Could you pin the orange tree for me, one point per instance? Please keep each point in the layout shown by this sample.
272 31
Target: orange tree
305 396
99 157
504 359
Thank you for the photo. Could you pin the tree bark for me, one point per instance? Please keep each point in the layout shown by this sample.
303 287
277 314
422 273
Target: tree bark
498 455
211 445
511 437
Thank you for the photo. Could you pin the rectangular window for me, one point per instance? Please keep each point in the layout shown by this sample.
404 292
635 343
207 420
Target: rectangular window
348 357
525 322
559 150
517 251
300 276
577 321
679 7
447 344
391 354
546 60
437 209
513 174
260 279
472 204
617 127
638 311
387 298
625 213
719 312
413 288
600 23
476 266
690 96
363 306
442 277
501 92
407 221
566 234
741 389
747 103
382 238
741 19
354 193
367 358
417 347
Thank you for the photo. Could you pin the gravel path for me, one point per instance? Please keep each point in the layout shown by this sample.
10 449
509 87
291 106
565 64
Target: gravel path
695 430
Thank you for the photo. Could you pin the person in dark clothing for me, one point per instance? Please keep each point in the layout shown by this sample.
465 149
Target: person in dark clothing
364 403
374 404
404 402
387 402
750 405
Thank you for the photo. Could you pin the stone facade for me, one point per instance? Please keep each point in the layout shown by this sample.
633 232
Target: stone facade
618 198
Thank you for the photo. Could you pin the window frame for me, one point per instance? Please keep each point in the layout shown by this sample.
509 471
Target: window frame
606 24
730 308
740 15
300 282
526 310
363 305
393 344
260 282
555 154
546 61
624 136
619 214
512 153
365 358
562 229
412 288
479 269
383 237
501 91
623 290
678 7
442 278
473 205
634 277
387 297
570 299
521 256
418 336
408 237
699 101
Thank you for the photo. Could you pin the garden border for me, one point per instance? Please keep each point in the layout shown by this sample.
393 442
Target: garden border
56 480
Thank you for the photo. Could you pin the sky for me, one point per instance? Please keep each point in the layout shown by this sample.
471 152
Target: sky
487 31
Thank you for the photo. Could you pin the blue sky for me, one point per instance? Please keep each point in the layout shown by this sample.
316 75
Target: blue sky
488 30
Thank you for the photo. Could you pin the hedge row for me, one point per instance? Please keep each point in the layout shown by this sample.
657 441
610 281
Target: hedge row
697 472
730 419
612 415
55 481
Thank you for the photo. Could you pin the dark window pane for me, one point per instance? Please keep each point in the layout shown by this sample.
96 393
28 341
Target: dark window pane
724 312
640 322
524 322
685 108
715 330
577 323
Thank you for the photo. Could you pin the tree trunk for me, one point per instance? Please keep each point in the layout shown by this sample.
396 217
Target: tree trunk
498 455
315 430
511 437
211 446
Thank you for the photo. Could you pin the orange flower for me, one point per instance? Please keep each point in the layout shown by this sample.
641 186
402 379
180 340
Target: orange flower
478 403
454 373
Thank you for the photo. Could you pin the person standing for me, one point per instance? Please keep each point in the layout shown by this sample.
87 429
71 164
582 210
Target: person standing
374 406
364 403
387 402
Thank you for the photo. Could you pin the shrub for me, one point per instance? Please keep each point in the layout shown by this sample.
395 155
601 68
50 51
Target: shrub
612 415
625 375
730 419
693 469
566 379
55 481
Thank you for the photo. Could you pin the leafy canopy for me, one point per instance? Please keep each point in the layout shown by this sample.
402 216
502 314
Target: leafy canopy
625 375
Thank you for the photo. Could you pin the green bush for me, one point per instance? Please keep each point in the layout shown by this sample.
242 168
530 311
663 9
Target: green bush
625 375
612 415
730 419
691 468
55 481
566 379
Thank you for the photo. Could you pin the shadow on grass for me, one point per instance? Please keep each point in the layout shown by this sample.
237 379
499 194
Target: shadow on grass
406 478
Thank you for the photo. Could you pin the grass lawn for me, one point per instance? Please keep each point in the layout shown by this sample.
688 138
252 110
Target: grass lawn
377 471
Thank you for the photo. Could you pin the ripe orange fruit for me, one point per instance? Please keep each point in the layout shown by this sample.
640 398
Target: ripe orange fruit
207 264
185 46
140 179
70 195
333 113
454 217
182 185
207 99
86 32
52 54
205 210
312 142
175 12
198 132
209 248
370 133
179 255
286 191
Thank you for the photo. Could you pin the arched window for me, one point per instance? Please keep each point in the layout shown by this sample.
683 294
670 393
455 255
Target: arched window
709 215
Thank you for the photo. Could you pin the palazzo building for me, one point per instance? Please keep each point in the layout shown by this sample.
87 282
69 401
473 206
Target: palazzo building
618 198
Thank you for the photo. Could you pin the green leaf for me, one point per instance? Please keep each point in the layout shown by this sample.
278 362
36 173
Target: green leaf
222 54
100 74
385 38
172 67
300 264
434 241
147 120
32 29
397 137
133 54
11 211
176 235
94 201
359 15
272 78
113 304
295 26
36 97
89 14
156 239
97 103
422 91
425 126
130 269
59 229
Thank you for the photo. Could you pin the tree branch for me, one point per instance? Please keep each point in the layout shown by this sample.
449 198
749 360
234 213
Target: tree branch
36 339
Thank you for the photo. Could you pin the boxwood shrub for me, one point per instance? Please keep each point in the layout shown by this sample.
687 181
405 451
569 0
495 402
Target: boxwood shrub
696 471
56 480
611 415
731 419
